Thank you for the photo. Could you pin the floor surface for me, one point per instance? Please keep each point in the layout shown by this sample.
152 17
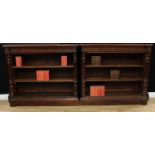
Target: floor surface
150 107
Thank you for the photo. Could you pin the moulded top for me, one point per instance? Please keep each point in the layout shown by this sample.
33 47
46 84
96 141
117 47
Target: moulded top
73 44
117 44
39 44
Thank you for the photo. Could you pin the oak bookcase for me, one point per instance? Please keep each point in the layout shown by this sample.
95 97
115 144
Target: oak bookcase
133 63
61 89
70 85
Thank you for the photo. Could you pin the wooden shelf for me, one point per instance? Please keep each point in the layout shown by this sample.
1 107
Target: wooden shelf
119 90
43 67
111 51
50 81
113 66
112 80
115 99
43 100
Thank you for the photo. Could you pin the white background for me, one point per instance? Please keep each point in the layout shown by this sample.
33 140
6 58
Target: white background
105 21
77 21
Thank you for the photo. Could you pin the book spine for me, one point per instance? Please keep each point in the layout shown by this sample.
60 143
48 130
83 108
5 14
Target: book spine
18 61
44 75
64 61
38 75
102 90
115 74
95 87
91 90
96 60
47 75
97 90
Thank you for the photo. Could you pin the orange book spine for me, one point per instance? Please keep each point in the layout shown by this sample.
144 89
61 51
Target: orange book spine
91 91
18 61
102 90
38 75
47 75
99 90
64 61
95 91
42 75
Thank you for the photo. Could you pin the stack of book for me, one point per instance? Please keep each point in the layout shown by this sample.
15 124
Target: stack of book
18 60
42 75
64 61
97 90
96 60
115 74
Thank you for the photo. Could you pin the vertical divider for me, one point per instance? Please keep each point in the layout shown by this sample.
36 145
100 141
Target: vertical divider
11 73
83 72
75 73
146 70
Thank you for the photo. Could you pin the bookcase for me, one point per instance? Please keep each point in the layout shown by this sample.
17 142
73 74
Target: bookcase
122 69
60 88
78 74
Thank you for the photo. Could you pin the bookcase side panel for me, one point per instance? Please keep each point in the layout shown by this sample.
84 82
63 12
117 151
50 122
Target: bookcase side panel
12 88
146 71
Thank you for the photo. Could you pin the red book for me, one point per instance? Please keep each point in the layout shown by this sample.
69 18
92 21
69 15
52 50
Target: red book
91 90
95 89
38 77
64 61
42 75
99 91
102 90
18 61
46 75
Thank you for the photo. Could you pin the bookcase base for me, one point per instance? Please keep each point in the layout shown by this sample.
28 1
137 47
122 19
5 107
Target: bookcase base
132 100
43 101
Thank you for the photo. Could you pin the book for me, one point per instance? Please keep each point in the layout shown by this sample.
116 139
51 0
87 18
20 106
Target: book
97 90
115 74
42 75
39 76
64 61
91 91
102 90
18 60
96 60
47 75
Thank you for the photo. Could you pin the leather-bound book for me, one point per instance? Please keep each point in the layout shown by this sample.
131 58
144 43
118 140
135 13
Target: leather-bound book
18 60
96 60
47 77
64 61
115 74
97 90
